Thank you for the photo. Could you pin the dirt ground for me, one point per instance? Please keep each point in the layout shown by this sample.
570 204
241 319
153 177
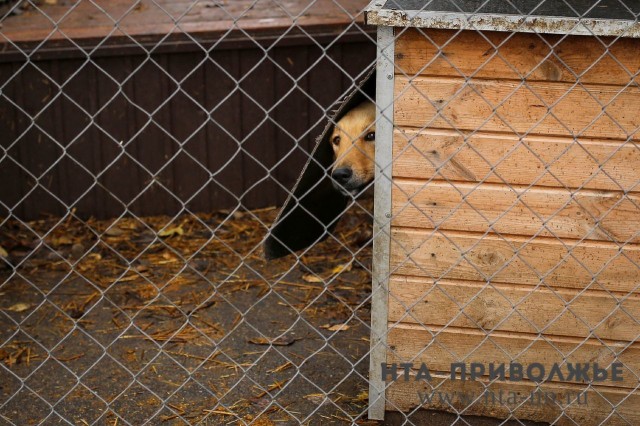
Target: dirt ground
183 322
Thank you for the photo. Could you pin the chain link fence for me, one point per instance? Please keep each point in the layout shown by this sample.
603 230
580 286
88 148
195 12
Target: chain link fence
148 147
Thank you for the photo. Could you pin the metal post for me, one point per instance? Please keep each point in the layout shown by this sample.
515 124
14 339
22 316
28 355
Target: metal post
382 220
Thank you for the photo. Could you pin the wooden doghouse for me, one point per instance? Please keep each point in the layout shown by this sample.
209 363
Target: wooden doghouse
507 210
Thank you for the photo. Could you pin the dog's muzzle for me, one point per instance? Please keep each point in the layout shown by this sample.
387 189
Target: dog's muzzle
345 182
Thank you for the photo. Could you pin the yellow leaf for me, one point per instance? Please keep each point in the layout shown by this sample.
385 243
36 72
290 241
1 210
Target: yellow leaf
341 268
19 307
170 232
310 278
3 252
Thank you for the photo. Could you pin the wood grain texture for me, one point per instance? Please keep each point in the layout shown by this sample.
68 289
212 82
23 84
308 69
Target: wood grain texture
536 57
541 108
516 260
559 213
517 308
501 158
493 146
139 109
439 348
403 396
161 17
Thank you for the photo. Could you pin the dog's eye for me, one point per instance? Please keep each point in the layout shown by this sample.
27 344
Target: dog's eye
370 136
336 140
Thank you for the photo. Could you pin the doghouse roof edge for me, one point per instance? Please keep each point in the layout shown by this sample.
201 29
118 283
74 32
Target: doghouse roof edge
577 17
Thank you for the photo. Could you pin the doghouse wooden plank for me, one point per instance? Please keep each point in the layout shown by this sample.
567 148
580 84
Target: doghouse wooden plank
550 212
503 158
599 408
438 348
518 308
506 106
538 57
479 257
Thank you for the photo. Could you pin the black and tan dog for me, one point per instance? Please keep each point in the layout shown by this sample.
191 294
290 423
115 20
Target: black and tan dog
353 142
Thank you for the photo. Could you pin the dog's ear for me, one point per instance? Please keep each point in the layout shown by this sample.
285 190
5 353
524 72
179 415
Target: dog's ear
314 206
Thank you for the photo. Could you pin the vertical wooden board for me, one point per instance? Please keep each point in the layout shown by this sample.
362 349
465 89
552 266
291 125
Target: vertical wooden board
37 151
13 180
258 131
121 178
502 55
57 183
548 212
504 400
478 257
83 89
291 115
508 106
326 87
153 145
357 59
111 125
190 175
76 133
440 348
224 129
505 159
517 308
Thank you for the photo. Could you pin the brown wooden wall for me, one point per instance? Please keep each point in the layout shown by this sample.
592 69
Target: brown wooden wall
89 113
515 217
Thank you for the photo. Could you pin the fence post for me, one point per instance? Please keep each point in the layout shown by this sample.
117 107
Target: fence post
382 220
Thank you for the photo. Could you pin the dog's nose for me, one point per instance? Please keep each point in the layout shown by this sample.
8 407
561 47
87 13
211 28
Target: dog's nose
342 175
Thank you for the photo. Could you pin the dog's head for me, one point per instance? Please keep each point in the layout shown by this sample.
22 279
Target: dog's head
353 142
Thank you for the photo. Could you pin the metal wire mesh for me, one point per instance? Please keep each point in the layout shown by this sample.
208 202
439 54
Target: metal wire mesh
147 144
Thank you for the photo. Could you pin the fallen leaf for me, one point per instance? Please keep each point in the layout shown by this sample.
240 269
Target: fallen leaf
3 252
342 268
167 256
311 278
280 341
336 327
61 241
170 232
19 307
362 396
114 231
141 268
94 256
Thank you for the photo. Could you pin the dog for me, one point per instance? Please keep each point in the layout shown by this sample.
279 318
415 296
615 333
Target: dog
353 142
